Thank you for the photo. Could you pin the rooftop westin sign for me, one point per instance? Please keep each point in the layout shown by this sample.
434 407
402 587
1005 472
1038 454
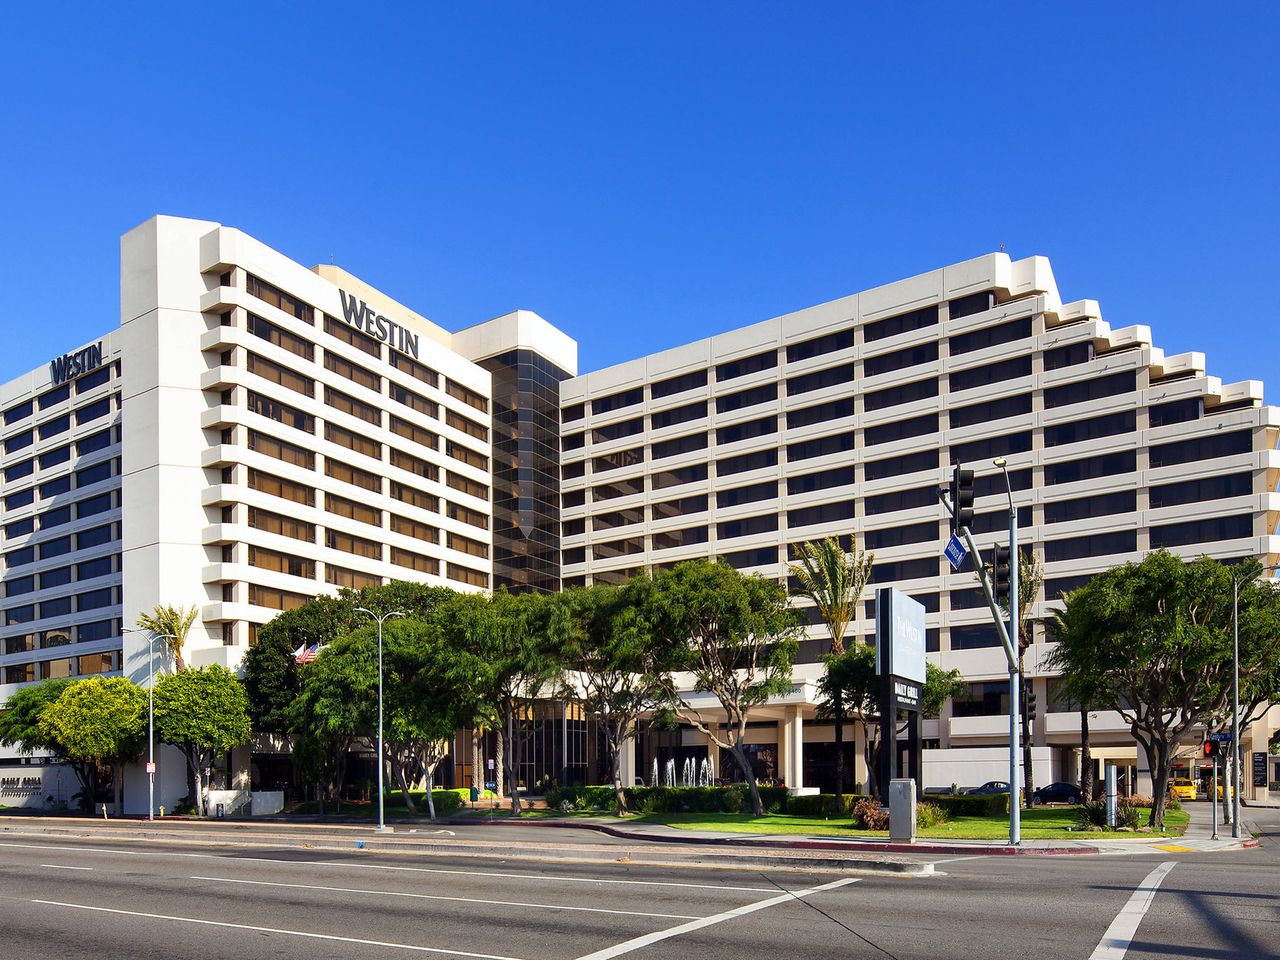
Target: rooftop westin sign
71 365
359 315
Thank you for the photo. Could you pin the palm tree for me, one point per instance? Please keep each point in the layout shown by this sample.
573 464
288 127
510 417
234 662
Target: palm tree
173 623
834 581
1061 625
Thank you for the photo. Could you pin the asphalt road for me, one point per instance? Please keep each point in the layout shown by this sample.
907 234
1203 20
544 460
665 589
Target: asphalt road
117 899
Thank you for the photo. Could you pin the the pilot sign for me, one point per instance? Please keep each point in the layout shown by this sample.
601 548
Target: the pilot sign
900 663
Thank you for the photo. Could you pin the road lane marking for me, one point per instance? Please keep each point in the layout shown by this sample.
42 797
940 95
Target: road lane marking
1115 942
223 858
532 876
288 933
428 896
636 943
63 866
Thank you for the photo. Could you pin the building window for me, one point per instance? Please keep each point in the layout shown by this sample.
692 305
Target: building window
94 537
91 444
268 370
616 431
416 401
897 466
616 401
282 338
279 299
415 561
351 579
1094 428
1201 448
624 487
414 465
51 428
54 397
911 499
575 411
353 372
468 486
671 539
412 432
92 411
619 518
281 413
820 413
288 563
463 453
674 385
901 430
281 525
352 441
352 475
460 574
819 447
347 543
415 529
820 379
828 343
757 557
681 507
1102 505
740 368
275 598
902 323
747 526
466 545
280 450
1068 356
350 405
1095 545
1001 409
673 478
822 513
468 396
1197 491
912 356
617 548
749 494
1179 411
419 371
679 445
756 460
1083 391
350 335
616 460
989 336
1209 531
895 396
669 418
280 487
746 431
353 510
15 413
469 427
1010 369
767 393
1090 468
474 518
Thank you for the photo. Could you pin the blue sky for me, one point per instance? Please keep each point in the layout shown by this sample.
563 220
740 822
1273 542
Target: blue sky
644 176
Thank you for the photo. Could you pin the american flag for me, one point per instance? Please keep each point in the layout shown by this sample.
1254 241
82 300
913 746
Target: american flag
305 654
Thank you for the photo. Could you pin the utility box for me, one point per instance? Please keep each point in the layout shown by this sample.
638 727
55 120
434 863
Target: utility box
902 811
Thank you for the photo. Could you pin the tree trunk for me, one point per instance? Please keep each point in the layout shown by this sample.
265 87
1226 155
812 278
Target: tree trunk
431 784
1158 757
839 721
197 780
117 777
614 738
398 772
513 761
1086 758
500 759
1028 771
871 754
740 755
477 762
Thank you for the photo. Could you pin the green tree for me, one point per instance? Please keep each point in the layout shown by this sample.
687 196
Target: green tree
1030 581
939 686
204 713
619 670
99 719
1069 625
834 581
736 635
20 728
328 717
173 623
272 680
1155 645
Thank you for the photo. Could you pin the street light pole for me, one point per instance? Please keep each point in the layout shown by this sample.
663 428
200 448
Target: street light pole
1015 674
151 717
382 825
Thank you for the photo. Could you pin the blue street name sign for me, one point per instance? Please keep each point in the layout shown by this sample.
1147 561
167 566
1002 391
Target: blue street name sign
956 552
1219 737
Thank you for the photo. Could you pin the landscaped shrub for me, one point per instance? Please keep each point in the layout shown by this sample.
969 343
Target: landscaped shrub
974 805
1144 802
1094 814
446 801
930 814
735 799
732 799
868 815
820 804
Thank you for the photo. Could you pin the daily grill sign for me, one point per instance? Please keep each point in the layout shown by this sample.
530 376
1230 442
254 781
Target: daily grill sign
900 664
362 317
71 365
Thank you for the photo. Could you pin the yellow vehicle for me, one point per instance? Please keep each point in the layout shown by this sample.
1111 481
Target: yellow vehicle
1181 788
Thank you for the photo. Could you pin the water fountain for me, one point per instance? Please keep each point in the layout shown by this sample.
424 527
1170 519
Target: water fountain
653 781
686 773
704 773
670 773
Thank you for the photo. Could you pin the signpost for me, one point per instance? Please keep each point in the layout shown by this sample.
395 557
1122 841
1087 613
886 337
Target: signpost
1259 769
900 634
956 552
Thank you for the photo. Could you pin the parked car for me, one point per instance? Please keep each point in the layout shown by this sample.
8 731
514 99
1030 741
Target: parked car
1058 793
991 786
1180 788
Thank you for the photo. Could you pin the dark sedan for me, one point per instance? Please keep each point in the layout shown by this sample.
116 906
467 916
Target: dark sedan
1058 793
991 786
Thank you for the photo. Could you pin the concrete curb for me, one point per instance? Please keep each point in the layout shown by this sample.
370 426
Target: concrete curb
406 844
838 845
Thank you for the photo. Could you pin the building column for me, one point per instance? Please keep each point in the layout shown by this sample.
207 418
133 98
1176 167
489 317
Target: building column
713 752
859 738
791 749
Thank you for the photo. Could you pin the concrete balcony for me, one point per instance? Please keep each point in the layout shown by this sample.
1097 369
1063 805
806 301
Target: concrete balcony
987 727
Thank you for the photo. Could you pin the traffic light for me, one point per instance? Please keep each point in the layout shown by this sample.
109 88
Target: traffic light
1000 574
961 497
1029 698
1211 749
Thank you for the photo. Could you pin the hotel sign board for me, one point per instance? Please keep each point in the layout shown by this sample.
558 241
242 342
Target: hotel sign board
899 636
71 365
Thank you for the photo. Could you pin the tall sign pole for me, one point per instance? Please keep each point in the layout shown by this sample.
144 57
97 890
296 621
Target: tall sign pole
380 618
1015 672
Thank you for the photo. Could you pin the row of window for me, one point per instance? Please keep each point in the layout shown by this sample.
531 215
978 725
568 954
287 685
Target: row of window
824 344
89 664
82 384
61 637
61 606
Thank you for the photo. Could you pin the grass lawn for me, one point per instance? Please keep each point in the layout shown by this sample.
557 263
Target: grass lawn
1041 823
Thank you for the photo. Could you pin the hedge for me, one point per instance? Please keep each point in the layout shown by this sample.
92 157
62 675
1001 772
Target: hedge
821 804
973 805
732 799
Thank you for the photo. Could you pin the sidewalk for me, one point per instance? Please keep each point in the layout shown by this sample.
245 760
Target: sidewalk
1197 838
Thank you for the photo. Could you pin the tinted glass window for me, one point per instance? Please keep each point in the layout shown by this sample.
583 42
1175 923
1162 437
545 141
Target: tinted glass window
822 513
900 359
1202 531
1092 429
902 323
830 377
748 430
831 342
822 480
901 429
747 461
626 398
747 398
752 364
896 466
1095 389
748 494
1010 369
907 393
669 418
1201 448
1068 356
1194 491
1179 411
686 381
1090 468
1000 409
1096 545
989 336
820 447
820 413
1102 505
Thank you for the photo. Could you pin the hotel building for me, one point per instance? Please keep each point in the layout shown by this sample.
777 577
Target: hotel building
254 433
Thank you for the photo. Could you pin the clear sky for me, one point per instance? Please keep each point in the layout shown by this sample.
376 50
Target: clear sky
649 174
